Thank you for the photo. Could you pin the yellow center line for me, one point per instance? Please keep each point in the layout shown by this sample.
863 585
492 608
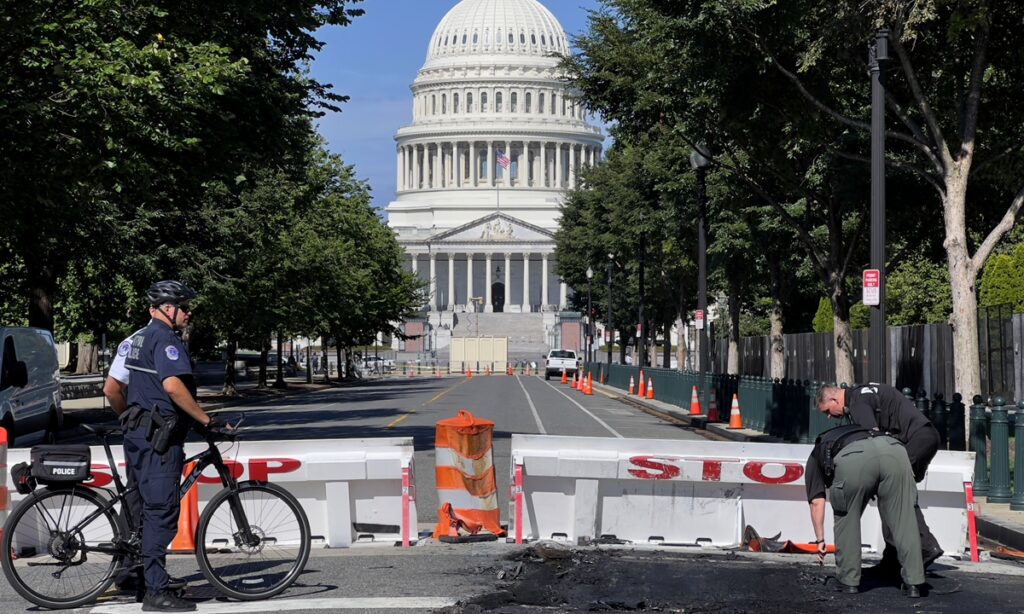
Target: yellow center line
413 411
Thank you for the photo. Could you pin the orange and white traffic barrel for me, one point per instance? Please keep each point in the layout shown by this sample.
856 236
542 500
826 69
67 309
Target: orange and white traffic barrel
5 498
466 486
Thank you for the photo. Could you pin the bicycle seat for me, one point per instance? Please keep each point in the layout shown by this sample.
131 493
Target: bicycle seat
102 430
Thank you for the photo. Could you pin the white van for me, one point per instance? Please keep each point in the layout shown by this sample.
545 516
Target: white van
29 384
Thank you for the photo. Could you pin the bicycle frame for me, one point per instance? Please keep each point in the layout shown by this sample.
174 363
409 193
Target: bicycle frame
204 459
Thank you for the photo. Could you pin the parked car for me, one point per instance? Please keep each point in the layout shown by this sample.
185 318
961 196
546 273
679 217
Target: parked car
29 384
558 360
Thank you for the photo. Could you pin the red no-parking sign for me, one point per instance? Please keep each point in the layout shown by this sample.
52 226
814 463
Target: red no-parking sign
872 287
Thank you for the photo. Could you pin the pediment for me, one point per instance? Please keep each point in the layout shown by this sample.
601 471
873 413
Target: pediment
494 228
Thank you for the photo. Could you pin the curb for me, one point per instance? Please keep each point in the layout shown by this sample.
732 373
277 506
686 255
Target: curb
1009 534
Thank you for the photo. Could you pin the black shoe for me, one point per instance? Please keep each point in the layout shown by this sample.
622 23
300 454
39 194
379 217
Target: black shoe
166 601
847 589
929 557
911 590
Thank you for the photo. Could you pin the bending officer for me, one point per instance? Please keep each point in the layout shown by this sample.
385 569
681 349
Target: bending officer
858 464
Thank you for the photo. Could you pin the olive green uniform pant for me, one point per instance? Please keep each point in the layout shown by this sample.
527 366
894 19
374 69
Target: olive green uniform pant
875 466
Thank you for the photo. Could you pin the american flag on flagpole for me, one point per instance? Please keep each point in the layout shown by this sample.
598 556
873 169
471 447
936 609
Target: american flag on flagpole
503 160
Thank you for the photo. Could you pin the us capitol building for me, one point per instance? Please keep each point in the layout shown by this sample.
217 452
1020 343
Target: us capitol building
495 140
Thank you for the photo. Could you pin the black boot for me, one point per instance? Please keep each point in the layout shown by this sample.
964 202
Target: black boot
166 601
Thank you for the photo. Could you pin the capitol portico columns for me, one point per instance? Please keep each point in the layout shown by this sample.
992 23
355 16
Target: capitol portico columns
433 282
451 282
488 306
544 281
572 166
508 279
526 282
469 282
562 297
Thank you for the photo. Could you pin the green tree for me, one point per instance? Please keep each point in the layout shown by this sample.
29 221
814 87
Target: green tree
824 318
917 292
1000 284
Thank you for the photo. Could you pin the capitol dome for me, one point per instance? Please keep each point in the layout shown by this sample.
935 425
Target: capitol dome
496 27
497 138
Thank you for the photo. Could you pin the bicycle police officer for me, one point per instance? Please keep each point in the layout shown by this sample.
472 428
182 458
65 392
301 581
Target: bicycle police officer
858 464
161 407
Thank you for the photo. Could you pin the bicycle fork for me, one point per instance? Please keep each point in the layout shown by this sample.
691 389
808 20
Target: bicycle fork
245 536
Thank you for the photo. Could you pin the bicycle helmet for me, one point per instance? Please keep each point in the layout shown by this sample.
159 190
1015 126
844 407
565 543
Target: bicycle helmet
169 292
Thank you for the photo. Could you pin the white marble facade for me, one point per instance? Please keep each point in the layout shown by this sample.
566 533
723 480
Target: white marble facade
496 139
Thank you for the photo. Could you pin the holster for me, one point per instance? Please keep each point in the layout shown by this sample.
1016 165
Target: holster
160 430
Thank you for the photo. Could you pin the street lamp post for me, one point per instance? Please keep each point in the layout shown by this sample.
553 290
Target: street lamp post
611 317
641 346
879 53
590 317
700 163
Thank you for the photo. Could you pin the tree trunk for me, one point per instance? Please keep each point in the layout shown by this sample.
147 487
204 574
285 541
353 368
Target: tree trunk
681 344
962 279
776 340
261 381
279 379
666 350
622 346
88 355
230 388
337 354
842 335
733 367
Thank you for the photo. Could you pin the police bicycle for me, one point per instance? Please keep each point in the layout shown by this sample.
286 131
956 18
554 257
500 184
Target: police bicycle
63 545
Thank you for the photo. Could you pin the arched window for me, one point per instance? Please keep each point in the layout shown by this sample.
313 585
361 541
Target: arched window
469 103
483 102
533 39
476 38
540 103
522 38
463 38
563 106
554 102
433 105
529 103
497 102
514 103
511 38
455 103
543 40
444 104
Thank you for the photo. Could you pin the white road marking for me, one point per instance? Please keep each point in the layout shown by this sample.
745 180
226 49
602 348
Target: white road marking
533 408
584 410
291 605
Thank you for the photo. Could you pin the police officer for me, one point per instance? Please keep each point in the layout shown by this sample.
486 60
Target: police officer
858 464
115 390
883 408
161 407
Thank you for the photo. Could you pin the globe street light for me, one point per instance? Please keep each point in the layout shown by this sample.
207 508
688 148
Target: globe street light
700 163
590 317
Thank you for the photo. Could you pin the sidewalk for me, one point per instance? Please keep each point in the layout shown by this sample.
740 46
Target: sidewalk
996 522
94 410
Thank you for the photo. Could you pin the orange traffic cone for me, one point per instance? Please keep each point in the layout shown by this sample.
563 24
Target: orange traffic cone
188 518
565 378
469 372
713 411
650 388
630 393
642 392
588 388
735 418
694 403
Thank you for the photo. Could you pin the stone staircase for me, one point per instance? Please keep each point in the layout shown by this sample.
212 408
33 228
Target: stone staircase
525 331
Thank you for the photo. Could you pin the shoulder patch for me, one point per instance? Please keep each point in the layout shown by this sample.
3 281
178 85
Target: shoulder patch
172 352
124 348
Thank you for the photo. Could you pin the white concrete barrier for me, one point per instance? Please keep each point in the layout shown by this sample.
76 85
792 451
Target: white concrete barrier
351 489
695 492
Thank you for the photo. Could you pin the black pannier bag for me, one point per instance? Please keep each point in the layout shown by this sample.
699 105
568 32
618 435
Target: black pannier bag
60 464
21 475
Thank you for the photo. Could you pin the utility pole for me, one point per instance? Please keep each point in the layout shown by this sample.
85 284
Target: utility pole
878 54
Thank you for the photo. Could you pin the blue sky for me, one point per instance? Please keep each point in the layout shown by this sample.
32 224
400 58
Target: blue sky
374 61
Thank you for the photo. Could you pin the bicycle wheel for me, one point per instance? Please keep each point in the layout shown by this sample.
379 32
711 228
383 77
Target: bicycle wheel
276 556
54 555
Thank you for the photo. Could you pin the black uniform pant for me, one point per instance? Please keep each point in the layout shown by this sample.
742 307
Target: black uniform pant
921 449
158 476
